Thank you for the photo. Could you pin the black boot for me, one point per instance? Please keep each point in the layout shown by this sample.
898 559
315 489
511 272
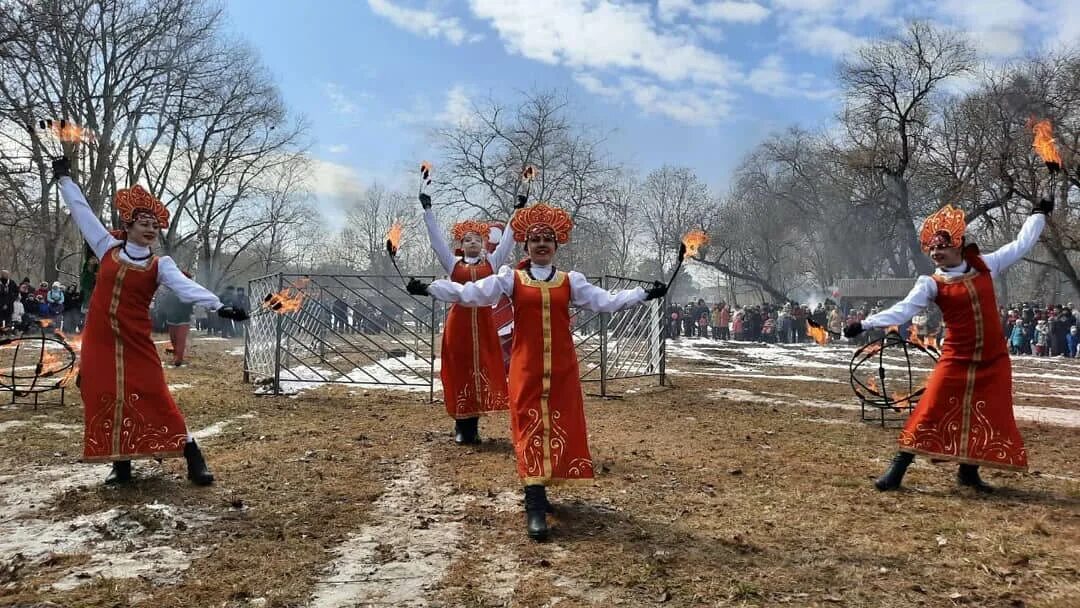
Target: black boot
892 477
536 505
968 475
474 431
467 431
121 472
197 471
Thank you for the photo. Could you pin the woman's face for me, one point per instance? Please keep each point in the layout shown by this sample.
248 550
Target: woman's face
143 231
472 244
541 249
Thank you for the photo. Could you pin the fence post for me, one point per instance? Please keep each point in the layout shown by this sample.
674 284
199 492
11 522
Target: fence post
277 343
431 354
661 304
604 319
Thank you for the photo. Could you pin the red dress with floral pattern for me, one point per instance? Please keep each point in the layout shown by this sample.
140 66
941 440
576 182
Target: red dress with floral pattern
966 413
129 412
473 373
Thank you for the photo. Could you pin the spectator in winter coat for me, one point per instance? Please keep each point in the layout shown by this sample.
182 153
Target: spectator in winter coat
72 309
55 299
1017 339
1072 341
725 320
1041 339
18 315
9 292
1059 330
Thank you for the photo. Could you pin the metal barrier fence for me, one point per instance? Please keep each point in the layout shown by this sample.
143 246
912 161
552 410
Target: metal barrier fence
347 329
367 330
620 345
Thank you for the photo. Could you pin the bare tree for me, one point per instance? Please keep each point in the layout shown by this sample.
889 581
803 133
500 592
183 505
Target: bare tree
673 202
889 89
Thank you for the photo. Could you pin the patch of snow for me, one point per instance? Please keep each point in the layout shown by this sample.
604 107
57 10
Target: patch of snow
12 424
400 558
176 387
236 352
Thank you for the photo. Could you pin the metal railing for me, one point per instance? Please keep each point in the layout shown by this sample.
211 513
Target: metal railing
367 330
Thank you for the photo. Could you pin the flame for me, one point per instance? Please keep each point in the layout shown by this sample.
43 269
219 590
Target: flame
931 343
393 238
528 173
872 385
817 332
287 300
1044 141
694 240
873 349
892 329
49 363
45 322
67 131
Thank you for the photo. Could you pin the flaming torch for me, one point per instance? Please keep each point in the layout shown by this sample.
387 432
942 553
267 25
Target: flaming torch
62 132
287 300
1044 144
393 241
425 176
691 242
528 174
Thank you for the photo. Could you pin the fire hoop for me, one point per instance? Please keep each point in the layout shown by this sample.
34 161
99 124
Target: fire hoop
33 364
889 393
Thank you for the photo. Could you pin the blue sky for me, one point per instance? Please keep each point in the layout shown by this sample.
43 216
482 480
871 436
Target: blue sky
685 82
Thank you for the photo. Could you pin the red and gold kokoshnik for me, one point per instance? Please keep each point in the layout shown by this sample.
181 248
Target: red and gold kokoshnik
542 217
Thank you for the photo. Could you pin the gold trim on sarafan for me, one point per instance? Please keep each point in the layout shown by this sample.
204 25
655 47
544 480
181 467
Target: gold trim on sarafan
545 387
973 366
118 342
475 326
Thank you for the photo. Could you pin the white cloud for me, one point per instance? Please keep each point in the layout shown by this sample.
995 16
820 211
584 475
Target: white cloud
593 35
696 106
458 107
341 103
997 27
772 78
337 148
806 6
823 39
426 23
713 10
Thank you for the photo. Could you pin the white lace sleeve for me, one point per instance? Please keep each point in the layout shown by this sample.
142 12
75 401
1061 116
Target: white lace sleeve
95 233
584 294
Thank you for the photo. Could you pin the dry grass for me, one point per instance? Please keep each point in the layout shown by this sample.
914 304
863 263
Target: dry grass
698 502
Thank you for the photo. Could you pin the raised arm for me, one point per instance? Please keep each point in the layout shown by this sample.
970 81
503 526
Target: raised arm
187 290
1013 252
504 248
438 242
920 296
95 233
485 292
584 294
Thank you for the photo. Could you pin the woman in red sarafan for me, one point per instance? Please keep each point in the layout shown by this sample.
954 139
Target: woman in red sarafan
965 415
547 412
128 411
473 373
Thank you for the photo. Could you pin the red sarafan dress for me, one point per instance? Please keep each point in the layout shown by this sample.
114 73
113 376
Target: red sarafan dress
966 414
473 373
548 414
129 412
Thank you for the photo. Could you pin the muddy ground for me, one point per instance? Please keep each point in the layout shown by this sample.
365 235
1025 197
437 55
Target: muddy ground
745 482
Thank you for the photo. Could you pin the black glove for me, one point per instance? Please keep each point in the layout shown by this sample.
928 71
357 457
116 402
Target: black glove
417 287
1045 207
425 201
853 329
521 200
61 166
658 290
235 314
